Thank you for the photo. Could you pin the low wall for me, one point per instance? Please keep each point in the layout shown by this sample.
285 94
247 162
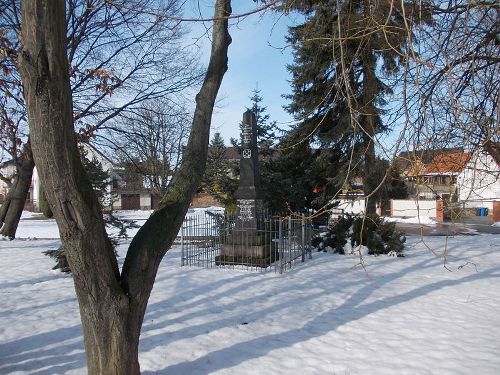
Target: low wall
413 208
352 206
476 204
202 200
145 201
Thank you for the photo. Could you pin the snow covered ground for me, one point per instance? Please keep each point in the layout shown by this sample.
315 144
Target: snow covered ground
407 315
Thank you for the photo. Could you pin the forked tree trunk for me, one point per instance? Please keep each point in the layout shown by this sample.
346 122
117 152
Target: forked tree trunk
13 205
112 305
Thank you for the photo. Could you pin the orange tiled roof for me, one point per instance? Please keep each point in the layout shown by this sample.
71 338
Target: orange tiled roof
452 162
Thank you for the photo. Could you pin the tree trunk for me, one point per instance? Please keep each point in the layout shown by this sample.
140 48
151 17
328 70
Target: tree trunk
112 306
369 118
13 205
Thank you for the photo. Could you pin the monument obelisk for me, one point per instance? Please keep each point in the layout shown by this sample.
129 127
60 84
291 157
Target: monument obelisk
249 194
248 243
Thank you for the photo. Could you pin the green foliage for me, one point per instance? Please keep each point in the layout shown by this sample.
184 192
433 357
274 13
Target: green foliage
60 259
266 129
217 179
99 179
289 178
378 236
371 231
337 236
342 58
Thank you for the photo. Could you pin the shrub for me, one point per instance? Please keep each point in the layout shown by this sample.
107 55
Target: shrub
370 231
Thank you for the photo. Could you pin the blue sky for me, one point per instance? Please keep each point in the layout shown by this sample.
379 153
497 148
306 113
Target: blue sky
256 59
258 56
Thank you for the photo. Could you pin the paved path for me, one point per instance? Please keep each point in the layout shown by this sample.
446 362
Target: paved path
447 229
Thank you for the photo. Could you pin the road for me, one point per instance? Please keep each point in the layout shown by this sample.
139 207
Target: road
449 229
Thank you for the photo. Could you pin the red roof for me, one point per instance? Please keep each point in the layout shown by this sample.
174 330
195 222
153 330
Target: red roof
447 163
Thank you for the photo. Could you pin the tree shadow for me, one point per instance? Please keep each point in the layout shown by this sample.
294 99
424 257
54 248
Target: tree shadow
30 308
352 309
44 353
33 281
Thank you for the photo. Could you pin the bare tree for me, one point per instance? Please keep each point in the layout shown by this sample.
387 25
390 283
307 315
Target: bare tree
150 141
119 57
456 78
451 91
112 303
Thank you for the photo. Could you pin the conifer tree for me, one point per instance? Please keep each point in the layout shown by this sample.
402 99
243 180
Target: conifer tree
217 180
43 205
266 129
342 51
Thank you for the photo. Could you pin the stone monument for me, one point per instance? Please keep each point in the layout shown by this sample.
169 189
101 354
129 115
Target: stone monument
249 195
247 243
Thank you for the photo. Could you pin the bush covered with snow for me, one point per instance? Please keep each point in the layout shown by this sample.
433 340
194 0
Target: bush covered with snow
371 231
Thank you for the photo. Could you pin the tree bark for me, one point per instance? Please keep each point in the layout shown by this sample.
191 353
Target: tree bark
112 306
13 205
369 116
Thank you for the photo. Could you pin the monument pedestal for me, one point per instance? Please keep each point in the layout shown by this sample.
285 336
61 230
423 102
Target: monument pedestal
248 243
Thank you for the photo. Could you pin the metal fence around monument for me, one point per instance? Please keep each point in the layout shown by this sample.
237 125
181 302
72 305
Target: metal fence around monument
220 241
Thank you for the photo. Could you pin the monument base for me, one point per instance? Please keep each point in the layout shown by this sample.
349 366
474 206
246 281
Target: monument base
248 247
228 260
246 251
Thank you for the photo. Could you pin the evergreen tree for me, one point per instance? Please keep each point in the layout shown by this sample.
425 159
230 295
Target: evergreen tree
341 52
288 181
266 129
100 180
217 180
43 205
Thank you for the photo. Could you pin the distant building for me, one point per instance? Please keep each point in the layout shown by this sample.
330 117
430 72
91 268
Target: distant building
432 174
479 181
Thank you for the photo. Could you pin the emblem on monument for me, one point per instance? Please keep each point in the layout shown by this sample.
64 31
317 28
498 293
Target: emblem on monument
247 154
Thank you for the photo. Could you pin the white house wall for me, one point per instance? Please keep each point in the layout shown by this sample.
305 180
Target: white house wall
35 182
479 182
413 208
145 200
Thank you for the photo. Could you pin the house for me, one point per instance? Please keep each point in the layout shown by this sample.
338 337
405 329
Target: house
479 181
432 174
124 190
462 180
7 172
132 190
